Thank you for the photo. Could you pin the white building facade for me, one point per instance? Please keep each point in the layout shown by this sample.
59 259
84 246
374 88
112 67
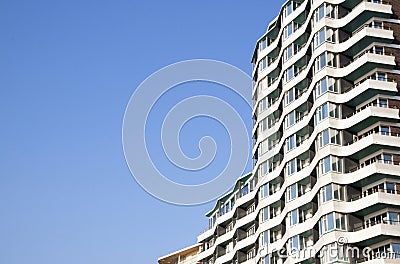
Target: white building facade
326 142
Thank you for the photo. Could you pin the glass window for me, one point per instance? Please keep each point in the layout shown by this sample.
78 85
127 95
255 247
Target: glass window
264 214
319 13
321 113
263 125
330 163
263 64
321 87
290 119
291 142
384 130
390 187
289 74
380 76
264 238
290 96
330 192
326 223
264 168
292 192
288 9
321 62
263 148
337 164
378 50
319 38
387 158
288 52
263 44
383 103
393 218
262 106
291 167
264 192
294 244
396 250
245 190
294 217
323 138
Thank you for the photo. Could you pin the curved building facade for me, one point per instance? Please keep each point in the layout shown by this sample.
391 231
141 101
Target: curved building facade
326 142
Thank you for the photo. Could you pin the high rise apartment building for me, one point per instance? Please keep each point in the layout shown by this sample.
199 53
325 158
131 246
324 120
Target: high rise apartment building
326 137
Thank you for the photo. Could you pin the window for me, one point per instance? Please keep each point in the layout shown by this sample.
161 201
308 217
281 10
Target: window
288 52
390 187
324 35
323 138
291 142
264 191
293 245
291 167
290 73
263 44
324 85
332 221
263 64
325 165
377 24
325 10
292 192
396 250
331 192
319 13
264 168
262 105
264 214
321 62
263 148
381 76
330 163
290 96
321 113
393 218
384 130
263 125
378 50
328 136
264 238
290 29
294 217
290 119
335 136
326 193
387 158
319 38
288 9
382 103
333 110
244 190
321 87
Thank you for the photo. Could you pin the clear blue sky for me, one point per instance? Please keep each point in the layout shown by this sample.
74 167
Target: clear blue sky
67 70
